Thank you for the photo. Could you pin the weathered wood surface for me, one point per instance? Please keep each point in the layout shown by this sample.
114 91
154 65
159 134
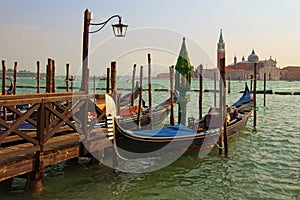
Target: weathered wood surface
57 138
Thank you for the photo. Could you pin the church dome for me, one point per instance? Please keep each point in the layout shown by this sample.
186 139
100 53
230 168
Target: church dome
252 57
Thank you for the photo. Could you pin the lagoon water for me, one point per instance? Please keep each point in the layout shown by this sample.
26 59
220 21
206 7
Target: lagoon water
263 163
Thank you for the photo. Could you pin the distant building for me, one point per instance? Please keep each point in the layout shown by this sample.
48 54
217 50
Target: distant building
290 73
245 68
163 76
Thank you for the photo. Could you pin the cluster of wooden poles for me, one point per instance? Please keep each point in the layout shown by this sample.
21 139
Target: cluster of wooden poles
111 80
50 77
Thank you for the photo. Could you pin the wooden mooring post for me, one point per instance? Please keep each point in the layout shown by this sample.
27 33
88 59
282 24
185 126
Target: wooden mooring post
229 85
150 89
254 95
251 83
149 81
265 79
223 104
200 91
132 85
4 86
15 77
67 76
53 76
215 89
3 77
140 98
107 79
38 76
172 119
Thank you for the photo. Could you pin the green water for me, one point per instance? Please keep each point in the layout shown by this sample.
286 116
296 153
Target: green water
263 163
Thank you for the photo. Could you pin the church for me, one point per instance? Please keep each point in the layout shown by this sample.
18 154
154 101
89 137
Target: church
242 70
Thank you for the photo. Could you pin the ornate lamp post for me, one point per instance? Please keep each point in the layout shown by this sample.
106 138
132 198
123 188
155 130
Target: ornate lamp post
119 31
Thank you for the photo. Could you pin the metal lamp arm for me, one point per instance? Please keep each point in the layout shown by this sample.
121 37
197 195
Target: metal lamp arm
102 24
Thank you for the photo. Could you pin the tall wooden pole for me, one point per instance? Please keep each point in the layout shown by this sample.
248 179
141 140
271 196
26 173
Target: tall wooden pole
265 79
251 83
172 119
149 81
38 76
107 79
140 97
85 49
132 85
4 86
53 76
229 79
215 89
113 72
200 91
3 78
254 96
94 86
49 76
67 76
15 77
223 104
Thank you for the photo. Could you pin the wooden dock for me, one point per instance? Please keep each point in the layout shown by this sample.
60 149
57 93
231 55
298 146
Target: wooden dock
60 124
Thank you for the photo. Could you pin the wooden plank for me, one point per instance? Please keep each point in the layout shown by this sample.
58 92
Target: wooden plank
61 155
17 168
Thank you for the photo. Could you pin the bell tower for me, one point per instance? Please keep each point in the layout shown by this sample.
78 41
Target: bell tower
221 49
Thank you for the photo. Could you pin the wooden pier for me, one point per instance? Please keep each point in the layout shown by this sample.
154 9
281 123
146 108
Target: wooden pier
60 124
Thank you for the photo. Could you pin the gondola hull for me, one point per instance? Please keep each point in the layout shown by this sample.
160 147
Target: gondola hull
131 145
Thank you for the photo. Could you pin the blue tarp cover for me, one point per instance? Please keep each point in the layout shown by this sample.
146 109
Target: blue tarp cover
245 98
170 131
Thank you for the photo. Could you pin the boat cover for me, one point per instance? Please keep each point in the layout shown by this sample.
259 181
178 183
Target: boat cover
170 131
245 98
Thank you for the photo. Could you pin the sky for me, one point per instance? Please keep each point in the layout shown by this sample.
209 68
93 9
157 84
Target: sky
35 30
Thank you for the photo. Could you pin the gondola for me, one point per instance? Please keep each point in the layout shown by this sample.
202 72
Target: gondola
176 139
159 114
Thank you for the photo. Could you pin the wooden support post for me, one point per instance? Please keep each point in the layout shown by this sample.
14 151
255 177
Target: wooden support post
215 89
229 85
67 76
254 96
107 79
38 76
140 97
172 119
200 91
34 179
3 78
15 77
223 105
265 79
132 85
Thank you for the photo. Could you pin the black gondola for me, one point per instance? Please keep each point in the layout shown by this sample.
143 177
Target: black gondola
179 138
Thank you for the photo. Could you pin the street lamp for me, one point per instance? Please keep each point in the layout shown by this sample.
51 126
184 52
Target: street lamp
119 31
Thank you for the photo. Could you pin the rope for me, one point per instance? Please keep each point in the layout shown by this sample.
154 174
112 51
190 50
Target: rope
219 146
